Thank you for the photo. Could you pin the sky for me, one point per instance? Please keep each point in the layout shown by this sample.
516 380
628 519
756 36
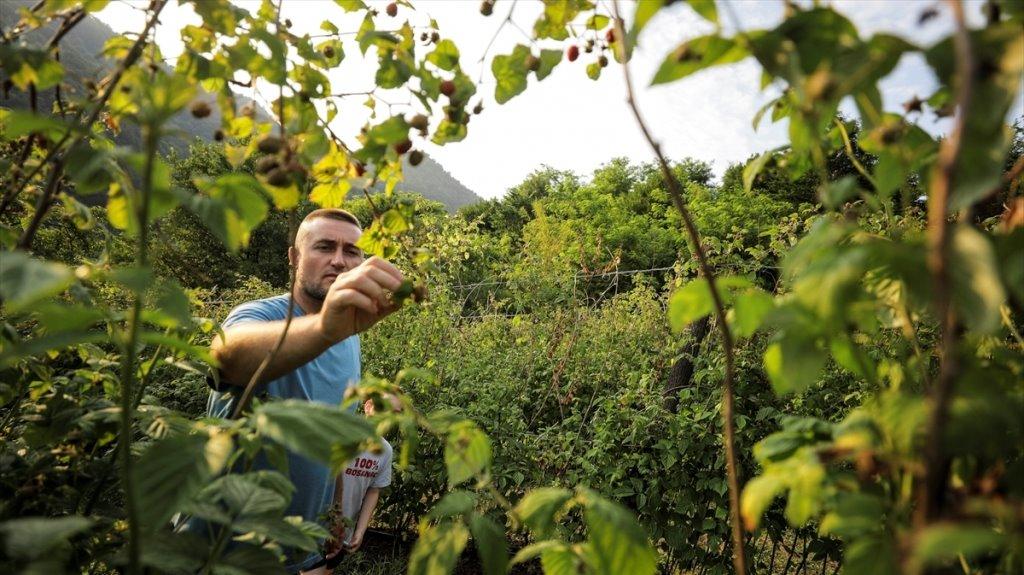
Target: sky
570 122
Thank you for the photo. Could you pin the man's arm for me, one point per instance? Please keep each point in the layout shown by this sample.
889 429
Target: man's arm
365 514
356 300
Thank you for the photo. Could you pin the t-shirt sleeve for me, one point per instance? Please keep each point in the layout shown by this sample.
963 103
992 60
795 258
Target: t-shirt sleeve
253 311
383 478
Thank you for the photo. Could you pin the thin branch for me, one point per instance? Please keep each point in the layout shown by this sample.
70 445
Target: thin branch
250 387
676 193
42 206
936 461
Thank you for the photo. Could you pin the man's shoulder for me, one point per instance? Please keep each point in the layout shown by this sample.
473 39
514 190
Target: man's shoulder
267 309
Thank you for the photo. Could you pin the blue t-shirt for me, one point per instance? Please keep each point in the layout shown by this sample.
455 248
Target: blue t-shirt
324 380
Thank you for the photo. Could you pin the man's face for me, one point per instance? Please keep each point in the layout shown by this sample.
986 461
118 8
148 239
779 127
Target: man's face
324 248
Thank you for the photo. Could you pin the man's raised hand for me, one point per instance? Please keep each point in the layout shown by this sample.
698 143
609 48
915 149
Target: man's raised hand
359 298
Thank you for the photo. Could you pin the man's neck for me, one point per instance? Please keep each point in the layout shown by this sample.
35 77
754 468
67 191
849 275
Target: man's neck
309 305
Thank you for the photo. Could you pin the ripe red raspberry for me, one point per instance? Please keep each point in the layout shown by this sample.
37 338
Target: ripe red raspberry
572 53
392 9
448 88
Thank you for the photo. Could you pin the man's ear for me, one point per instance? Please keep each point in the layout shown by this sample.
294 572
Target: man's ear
293 256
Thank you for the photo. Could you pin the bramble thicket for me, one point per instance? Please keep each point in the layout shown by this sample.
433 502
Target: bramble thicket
812 366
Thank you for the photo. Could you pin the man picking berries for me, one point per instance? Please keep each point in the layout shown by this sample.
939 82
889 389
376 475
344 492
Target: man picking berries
338 295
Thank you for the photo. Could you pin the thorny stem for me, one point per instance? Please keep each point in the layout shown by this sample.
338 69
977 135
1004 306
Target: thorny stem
728 399
936 469
128 361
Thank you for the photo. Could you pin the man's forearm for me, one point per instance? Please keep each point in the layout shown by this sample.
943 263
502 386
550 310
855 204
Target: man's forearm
244 347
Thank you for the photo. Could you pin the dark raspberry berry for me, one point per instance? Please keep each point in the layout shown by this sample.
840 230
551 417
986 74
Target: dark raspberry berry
609 36
278 177
392 9
403 147
487 7
270 145
265 164
448 88
219 135
415 157
419 122
572 53
603 60
532 63
329 51
200 109
478 108
435 37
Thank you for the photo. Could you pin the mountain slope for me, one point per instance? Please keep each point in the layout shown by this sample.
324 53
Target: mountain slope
80 51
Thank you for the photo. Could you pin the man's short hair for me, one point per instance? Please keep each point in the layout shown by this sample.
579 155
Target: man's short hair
334 214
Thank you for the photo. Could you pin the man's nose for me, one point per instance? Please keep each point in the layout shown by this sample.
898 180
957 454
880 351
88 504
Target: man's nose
338 259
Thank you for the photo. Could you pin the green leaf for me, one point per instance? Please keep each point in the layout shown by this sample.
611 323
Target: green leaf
25 280
698 54
805 476
453 504
331 194
854 515
615 541
467 452
793 363
391 131
548 60
323 433
17 123
944 542
874 555
27 67
689 303
706 8
445 55
758 494
644 12
249 560
538 508
999 55
597 22
510 73
351 5
278 530
977 289
749 311
560 560
490 544
246 496
231 209
29 538
437 549
754 167
168 473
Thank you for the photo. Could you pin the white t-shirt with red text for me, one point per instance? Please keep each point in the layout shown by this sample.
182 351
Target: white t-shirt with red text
365 471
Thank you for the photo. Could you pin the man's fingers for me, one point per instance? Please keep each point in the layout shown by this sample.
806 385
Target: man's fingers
386 266
359 300
384 279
